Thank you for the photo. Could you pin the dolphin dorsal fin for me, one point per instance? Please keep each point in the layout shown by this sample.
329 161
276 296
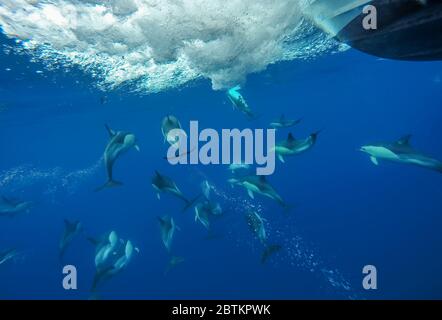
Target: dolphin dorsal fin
404 141
109 130
291 138
93 241
67 223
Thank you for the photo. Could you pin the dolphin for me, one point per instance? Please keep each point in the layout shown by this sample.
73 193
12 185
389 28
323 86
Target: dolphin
282 122
120 142
205 210
401 151
256 225
239 102
120 260
105 248
8 255
173 262
12 207
235 167
112 255
258 184
164 184
168 124
269 251
167 228
293 146
206 188
71 229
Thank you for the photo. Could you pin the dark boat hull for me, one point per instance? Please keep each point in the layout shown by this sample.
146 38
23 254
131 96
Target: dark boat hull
406 29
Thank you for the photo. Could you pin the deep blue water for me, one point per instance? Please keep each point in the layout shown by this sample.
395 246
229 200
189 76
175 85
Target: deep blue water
347 212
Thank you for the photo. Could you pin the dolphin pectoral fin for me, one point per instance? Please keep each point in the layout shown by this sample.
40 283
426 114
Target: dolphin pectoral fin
158 196
374 160
250 193
281 158
137 148
196 214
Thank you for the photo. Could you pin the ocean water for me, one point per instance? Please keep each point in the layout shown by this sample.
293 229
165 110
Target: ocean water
56 95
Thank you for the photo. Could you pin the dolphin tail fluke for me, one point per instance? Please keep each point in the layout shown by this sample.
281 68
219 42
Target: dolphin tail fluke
269 251
94 296
190 203
108 185
173 262
287 207
252 116
95 283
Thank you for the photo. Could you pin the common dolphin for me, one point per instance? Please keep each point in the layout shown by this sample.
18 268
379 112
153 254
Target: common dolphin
167 228
401 151
105 249
206 189
168 124
121 259
112 255
235 167
120 142
7 255
258 184
239 102
71 229
256 225
205 210
283 122
164 184
293 146
395 29
12 207
173 262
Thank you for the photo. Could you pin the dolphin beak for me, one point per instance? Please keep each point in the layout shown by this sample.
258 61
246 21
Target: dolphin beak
137 148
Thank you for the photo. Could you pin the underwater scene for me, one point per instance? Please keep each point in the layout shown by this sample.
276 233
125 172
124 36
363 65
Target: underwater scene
164 149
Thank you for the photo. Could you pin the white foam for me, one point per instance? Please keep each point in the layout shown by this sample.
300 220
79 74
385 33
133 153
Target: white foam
160 44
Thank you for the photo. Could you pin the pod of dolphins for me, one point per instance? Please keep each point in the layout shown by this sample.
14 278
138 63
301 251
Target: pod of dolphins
113 254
